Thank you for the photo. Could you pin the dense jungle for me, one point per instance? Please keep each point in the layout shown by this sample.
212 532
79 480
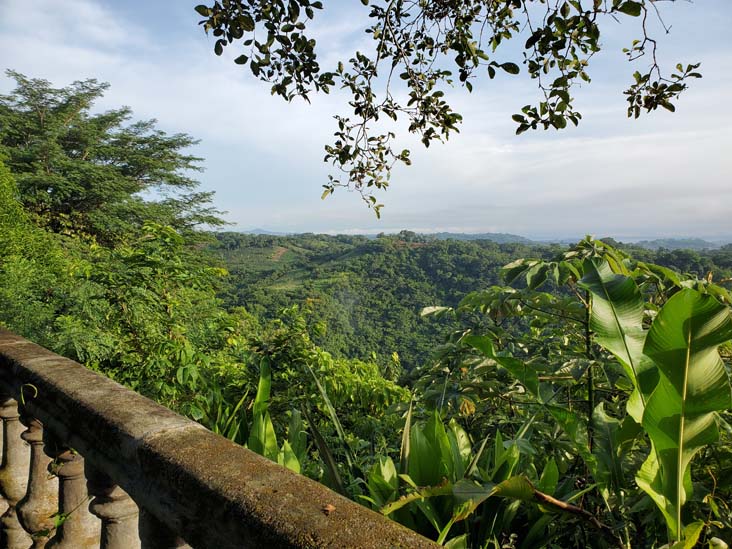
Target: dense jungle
487 391
485 394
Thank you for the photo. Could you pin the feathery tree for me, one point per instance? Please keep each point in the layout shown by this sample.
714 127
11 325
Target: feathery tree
82 172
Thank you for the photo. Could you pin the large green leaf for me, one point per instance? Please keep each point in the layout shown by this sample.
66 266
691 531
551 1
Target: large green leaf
460 447
297 436
460 542
430 460
436 434
419 494
288 458
264 387
517 487
262 439
383 481
607 450
617 323
516 268
680 414
468 494
424 459
549 477
505 459
406 434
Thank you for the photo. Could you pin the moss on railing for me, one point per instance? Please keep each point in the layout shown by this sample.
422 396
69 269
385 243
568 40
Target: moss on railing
200 486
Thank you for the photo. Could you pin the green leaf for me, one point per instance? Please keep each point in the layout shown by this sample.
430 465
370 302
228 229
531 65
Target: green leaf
517 487
460 448
607 450
404 450
537 275
332 475
261 400
435 432
262 439
231 427
383 481
423 459
629 7
663 273
417 495
296 435
247 23
549 477
649 479
514 269
617 322
692 532
680 415
436 311
518 368
472 466
202 10
350 458
510 68
460 542
288 458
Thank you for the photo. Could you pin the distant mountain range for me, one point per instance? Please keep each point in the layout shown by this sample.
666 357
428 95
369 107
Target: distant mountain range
656 244
506 238
500 238
264 232
679 244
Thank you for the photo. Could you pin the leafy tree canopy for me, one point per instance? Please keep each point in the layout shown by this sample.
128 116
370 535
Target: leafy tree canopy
82 172
420 48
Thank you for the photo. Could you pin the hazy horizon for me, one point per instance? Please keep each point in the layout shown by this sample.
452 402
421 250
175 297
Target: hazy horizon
537 237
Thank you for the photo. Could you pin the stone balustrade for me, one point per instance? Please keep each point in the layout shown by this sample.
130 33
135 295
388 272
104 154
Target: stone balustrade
87 463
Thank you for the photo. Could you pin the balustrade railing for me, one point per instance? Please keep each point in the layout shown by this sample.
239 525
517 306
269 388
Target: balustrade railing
87 463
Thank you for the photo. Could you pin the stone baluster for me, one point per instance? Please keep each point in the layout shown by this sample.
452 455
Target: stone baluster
36 509
79 529
119 514
13 474
3 502
155 535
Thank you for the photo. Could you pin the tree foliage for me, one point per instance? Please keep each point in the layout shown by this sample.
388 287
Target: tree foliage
420 49
368 292
83 172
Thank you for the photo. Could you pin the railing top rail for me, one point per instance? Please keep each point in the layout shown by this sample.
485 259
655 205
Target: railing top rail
212 492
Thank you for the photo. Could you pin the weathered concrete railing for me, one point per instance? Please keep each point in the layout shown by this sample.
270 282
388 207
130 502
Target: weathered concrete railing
112 451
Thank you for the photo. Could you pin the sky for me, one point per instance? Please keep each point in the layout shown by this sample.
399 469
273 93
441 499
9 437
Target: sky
663 175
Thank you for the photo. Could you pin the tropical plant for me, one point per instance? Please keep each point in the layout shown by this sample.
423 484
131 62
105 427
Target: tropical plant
262 438
550 343
680 382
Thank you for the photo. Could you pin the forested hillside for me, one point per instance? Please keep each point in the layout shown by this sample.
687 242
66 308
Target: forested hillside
368 293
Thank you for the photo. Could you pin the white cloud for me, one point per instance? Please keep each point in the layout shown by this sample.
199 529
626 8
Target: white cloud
667 174
80 22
